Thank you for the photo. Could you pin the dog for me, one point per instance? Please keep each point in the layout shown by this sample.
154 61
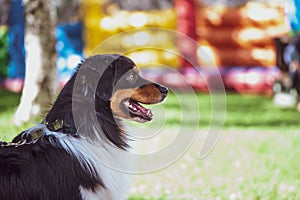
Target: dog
68 155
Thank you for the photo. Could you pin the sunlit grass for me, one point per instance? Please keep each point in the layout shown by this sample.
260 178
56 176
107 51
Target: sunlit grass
8 103
250 164
242 111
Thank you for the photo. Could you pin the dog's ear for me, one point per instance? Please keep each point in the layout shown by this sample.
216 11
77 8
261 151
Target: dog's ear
85 87
85 83
99 74
95 76
106 83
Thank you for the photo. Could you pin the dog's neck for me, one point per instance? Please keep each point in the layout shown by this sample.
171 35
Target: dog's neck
60 117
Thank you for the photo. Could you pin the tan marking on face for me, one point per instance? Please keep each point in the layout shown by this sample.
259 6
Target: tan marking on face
116 101
148 94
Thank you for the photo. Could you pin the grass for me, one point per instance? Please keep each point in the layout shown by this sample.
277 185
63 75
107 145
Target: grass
9 102
242 111
243 165
255 158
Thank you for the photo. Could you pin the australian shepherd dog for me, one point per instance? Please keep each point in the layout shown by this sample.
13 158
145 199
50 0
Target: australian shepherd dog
69 155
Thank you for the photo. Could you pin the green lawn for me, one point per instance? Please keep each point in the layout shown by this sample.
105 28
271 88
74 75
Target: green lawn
245 164
257 156
8 103
242 111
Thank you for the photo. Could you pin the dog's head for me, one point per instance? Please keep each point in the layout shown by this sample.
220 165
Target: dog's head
104 90
131 90
120 86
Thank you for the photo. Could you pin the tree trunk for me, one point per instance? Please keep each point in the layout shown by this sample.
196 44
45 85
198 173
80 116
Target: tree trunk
40 80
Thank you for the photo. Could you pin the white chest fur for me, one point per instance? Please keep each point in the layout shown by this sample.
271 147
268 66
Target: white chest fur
109 163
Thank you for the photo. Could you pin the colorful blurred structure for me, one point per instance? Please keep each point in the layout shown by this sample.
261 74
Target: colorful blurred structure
104 19
240 35
69 48
12 56
186 23
235 36
16 24
4 9
292 9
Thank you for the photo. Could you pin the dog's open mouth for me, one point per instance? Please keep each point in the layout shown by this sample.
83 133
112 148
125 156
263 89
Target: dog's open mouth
137 112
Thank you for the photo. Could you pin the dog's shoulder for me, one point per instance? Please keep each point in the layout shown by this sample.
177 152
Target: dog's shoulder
39 163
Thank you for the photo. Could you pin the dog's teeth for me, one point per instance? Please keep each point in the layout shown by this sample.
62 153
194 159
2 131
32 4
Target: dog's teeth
132 107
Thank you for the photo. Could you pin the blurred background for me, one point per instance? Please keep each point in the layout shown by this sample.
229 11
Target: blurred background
255 46
238 37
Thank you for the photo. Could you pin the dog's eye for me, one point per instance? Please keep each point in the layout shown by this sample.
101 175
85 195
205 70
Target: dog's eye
130 77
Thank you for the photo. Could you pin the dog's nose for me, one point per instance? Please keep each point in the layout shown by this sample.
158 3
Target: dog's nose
163 90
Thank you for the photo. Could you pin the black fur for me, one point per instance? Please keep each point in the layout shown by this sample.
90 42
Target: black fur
42 170
86 94
36 165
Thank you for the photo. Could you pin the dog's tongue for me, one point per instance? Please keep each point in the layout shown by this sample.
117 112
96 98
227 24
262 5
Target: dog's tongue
140 111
